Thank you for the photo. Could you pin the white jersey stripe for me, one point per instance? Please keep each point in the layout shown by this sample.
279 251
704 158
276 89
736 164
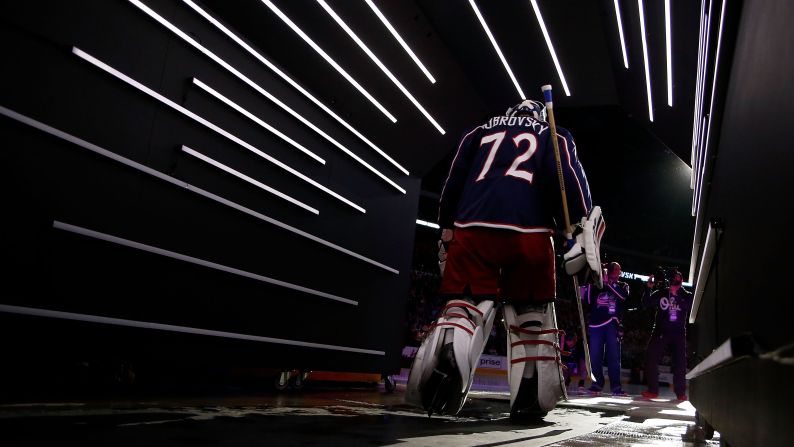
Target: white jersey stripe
504 226
575 175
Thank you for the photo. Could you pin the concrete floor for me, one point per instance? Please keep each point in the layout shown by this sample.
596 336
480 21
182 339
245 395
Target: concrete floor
336 415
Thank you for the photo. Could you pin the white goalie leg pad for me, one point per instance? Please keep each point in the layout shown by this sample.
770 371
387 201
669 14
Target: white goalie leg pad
467 327
533 350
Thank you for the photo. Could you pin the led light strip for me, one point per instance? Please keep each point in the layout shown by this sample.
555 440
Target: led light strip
620 33
695 117
701 101
255 119
497 49
692 156
668 40
32 311
328 59
705 149
427 224
101 65
699 165
704 270
380 65
248 179
717 357
262 91
187 186
191 260
645 57
286 78
551 47
400 40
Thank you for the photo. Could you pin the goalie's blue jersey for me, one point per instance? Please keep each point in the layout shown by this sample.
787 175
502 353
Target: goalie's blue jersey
504 175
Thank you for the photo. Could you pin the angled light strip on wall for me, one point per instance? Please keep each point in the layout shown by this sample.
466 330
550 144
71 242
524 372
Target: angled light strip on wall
697 169
380 65
19 310
702 99
695 117
256 119
551 47
497 49
103 66
283 76
400 40
328 59
187 186
696 127
668 40
709 249
620 33
248 179
265 93
197 261
645 58
705 149
427 224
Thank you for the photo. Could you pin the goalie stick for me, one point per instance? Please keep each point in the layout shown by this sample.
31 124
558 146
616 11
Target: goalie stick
568 231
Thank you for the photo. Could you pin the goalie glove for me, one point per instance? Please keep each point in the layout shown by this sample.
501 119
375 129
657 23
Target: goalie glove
583 251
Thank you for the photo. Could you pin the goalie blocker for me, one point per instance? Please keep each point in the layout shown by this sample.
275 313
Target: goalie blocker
585 253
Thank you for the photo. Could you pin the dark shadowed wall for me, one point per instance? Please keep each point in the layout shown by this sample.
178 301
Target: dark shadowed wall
48 178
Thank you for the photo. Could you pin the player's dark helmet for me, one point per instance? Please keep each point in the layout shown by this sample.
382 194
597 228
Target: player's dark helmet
535 109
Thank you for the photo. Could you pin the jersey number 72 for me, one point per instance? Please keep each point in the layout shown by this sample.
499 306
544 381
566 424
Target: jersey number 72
496 139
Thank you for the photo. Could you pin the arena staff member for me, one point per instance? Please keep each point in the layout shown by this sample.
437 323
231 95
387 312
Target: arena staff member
672 305
607 306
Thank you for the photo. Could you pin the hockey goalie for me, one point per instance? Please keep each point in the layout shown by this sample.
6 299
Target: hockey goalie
499 211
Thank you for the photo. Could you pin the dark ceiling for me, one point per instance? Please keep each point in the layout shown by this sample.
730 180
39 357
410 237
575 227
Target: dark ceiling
471 81
473 84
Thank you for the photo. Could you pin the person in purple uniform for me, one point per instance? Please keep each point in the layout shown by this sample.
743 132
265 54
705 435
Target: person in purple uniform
672 305
607 306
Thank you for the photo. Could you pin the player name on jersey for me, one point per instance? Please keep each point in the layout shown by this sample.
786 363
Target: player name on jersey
526 121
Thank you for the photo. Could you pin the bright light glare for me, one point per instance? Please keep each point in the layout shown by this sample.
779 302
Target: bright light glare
620 32
328 59
551 47
645 57
497 49
669 53
380 65
427 224
400 40
290 81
